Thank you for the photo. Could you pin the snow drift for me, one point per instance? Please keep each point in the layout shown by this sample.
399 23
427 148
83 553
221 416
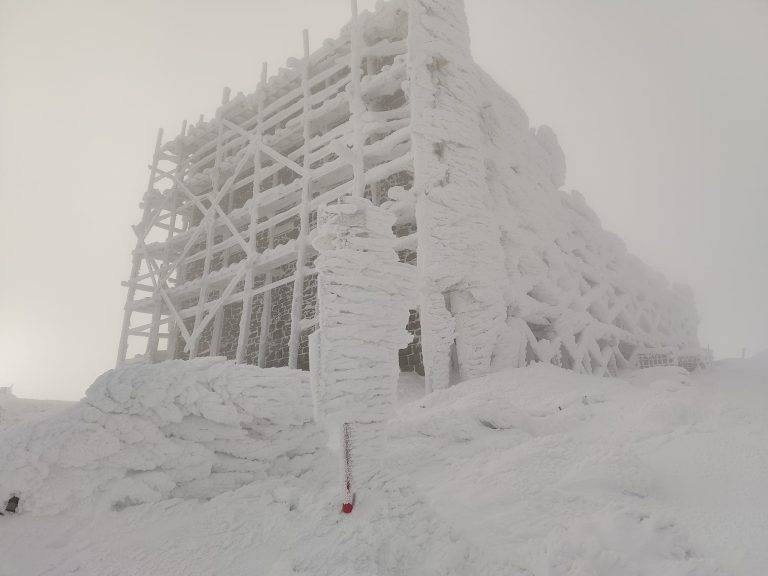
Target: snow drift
15 410
148 432
514 268
535 471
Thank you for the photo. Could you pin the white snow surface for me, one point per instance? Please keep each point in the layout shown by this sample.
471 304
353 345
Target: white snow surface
14 410
151 431
531 471
514 268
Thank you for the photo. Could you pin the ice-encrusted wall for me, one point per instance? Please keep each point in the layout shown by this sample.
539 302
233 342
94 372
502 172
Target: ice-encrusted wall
458 239
514 269
364 293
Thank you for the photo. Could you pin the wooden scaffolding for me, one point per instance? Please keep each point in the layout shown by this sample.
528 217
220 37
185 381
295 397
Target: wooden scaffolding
223 258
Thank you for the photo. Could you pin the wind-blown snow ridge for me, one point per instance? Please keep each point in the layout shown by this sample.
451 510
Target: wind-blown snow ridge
148 432
535 471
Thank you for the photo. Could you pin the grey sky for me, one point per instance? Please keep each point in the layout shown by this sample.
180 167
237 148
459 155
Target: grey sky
661 107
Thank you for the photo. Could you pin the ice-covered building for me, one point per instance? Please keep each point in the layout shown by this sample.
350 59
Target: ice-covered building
509 267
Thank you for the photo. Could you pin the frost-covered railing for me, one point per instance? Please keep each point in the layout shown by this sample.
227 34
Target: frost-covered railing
691 359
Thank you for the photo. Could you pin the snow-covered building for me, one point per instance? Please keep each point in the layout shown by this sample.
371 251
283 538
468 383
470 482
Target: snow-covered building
509 268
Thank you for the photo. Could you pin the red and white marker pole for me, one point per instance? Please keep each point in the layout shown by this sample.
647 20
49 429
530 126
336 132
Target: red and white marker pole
349 495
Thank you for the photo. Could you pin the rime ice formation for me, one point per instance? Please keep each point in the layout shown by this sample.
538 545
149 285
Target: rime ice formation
382 201
458 238
525 270
364 294
148 432
509 268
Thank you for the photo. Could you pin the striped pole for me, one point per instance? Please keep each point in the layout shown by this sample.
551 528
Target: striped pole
349 495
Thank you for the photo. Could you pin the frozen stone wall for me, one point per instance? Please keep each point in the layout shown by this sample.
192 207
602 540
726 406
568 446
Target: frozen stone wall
458 238
513 269
410 357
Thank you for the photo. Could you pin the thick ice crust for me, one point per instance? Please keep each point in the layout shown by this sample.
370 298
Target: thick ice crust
148 432
513 268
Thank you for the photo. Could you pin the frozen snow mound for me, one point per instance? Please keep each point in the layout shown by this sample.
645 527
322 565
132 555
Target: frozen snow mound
556 473
15 410
535 471
148 432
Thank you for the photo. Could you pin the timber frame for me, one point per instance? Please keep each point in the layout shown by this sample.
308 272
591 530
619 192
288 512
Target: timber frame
394 110
224 244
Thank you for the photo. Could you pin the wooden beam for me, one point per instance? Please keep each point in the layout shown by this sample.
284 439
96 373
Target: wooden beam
209 239
266 308
122 348
356 104
247 311
209 215
158 282
306 197
172 230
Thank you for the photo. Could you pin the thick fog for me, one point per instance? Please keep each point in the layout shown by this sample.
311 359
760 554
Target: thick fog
661 107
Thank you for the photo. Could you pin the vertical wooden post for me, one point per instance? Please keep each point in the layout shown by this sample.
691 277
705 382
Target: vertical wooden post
245 316
154 330
356 104
219 318
173 333
217 324
266 308
306 198
210 227
122 348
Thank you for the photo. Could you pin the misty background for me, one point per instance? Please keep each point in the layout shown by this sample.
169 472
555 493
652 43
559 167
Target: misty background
661 107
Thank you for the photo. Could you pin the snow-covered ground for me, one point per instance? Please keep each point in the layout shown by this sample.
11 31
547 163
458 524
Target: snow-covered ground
535 471
14 410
